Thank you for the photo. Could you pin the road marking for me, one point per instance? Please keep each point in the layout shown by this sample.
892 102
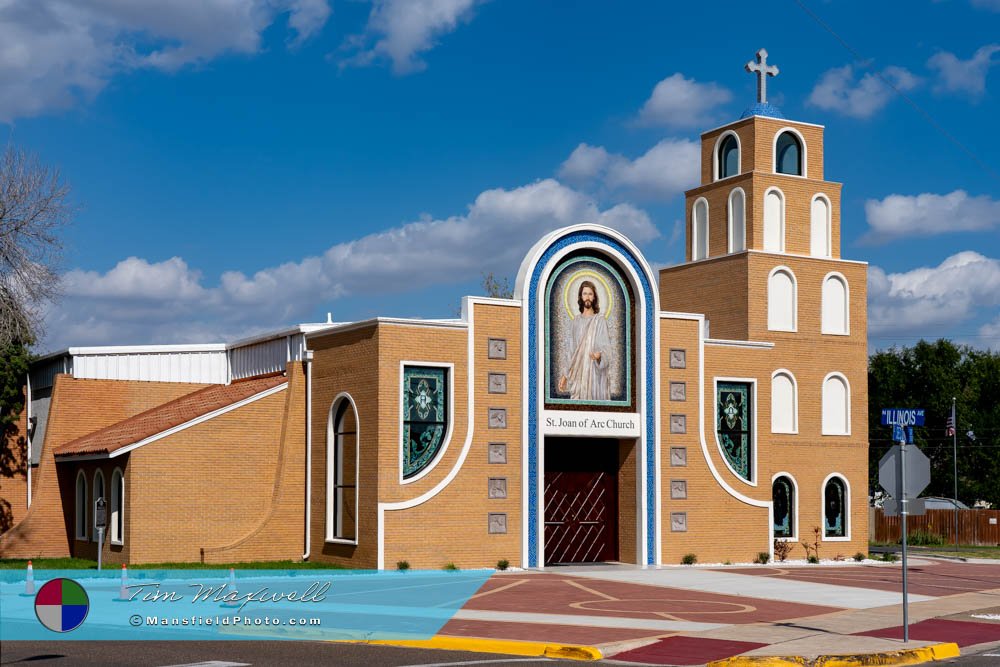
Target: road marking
505 661
212 663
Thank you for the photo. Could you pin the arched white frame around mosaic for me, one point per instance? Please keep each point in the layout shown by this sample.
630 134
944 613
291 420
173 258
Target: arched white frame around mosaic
331 452
846 509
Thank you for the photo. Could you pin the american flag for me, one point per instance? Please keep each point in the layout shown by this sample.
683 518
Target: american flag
949 427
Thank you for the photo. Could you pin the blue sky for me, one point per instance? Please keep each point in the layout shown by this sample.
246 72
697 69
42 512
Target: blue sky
243 165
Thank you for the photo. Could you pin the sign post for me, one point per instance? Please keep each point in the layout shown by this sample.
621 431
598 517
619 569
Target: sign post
100 522
904 472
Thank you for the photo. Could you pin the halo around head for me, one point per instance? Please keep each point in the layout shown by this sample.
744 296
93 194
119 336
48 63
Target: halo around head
607 299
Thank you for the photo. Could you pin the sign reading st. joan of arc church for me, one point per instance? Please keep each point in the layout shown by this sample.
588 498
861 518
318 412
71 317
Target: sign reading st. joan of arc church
588 335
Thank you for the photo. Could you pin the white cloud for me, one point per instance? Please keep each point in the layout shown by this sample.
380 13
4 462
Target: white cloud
838 91
989 335
402 29
930 300
142 301
963 76
55 52
665 170
928 214
683 102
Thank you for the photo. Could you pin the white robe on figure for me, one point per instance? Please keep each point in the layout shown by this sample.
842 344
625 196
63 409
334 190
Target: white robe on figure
587 379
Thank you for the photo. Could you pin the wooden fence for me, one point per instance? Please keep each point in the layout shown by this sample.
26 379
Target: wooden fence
975 527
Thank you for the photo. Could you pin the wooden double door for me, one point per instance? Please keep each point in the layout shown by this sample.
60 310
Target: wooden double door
581 500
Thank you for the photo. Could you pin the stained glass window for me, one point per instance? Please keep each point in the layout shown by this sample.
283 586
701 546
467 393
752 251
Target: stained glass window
734 425
783 496
834 516
425 416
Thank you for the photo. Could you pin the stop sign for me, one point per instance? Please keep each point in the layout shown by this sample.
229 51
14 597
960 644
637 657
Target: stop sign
918 472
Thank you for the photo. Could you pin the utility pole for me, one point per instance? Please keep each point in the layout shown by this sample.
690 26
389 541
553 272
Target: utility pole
954 461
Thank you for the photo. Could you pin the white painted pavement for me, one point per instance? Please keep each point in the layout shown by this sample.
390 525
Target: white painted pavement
586 621
754 586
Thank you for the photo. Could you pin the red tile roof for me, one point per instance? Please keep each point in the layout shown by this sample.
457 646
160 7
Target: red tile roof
166 416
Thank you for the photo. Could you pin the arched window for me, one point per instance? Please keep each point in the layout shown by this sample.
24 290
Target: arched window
342 472
836 507
98 493
784 501
784 403
81 506
737 221
836 405
788 154
729 157
117 517
774 221
819 227
781 300
699 244
836 318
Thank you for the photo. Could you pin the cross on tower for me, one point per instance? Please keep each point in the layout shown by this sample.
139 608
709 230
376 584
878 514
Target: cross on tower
762 70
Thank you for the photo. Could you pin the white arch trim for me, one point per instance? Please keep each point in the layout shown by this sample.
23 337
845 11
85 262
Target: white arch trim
802 144
694 229
80 511
795 400
729 217
450 428
781 268
117 473
523 283
753 427
715 154
847 400
837 275
98 474
795 505
847 508
828 250
330 439
781 218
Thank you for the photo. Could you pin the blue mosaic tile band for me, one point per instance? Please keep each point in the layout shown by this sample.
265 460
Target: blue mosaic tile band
649 342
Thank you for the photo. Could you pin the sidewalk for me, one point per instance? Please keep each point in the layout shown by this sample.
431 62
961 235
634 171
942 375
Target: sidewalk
695 615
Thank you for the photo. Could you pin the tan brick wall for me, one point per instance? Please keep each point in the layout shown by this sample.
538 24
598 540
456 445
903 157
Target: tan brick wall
221 494
756 137
714 288
627 533
452 526
78 407
346 362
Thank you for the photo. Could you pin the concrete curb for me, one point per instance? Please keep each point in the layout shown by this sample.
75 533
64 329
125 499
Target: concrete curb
914 656
506 646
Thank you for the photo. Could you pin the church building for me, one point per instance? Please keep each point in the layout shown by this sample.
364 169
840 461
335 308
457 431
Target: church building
606 412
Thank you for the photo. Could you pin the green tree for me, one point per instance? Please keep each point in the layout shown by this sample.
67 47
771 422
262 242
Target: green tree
928 375
499 289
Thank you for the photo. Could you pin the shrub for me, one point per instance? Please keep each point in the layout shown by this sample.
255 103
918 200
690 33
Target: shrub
450 567
689 559
762 558
858 557
403 565
889 557
782 549
923 538
812 550
813 559
503 564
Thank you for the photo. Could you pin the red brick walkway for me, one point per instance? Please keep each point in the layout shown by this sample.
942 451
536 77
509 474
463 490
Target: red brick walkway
963 633
686 651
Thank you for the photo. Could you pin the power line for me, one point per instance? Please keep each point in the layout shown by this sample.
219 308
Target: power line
916 107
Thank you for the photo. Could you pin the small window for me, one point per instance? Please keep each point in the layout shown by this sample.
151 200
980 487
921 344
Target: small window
835 313
781 301
784 404
836 405
783 498
99 493
81 506
729 157
737 221
734 415
699 248
819 227
788 156
117 518
774 221
342 473
425 416
834 508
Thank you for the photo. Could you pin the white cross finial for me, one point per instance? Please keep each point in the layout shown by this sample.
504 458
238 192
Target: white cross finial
762 70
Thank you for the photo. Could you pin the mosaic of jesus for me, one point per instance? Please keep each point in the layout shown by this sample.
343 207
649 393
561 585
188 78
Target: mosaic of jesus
587 335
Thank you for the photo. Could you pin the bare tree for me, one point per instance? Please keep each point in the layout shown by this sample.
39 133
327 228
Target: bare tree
34 207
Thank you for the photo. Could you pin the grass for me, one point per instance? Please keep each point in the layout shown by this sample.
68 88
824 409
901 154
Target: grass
85 564
963 551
